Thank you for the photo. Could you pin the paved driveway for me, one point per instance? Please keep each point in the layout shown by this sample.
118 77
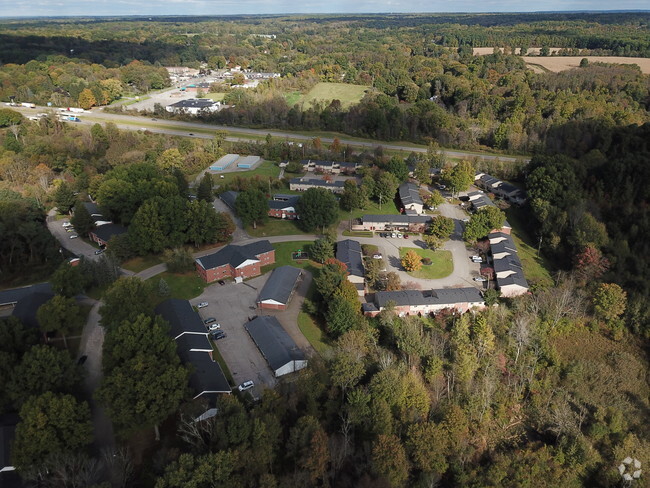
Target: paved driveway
76 246
232 304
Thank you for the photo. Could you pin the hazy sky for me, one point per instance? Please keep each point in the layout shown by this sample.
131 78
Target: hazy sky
22 8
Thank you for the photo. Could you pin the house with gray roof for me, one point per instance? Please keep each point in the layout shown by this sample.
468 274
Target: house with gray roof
409 195
305 183
508 270
279 288
410 302
349 253
278 348
500 188
194 347
237 262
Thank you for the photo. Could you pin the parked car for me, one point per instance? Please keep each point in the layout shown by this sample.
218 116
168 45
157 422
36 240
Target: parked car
221 282
406 236
209 320
399 235
246 385
376 256
202 305
218 334
74 236
480 279
477 259
66 224
69 229
466 220
213 327
99 251
81 360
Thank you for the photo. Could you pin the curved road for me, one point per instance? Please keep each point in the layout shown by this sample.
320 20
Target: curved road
136 122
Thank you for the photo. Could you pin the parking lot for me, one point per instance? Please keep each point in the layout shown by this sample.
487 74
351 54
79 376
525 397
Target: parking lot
232 304
76 246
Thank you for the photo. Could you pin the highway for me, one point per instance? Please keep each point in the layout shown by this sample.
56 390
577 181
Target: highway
200 130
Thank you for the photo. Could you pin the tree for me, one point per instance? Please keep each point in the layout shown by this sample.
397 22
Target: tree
321 249
389 459
434 199
422 172
491 296
179 260
144 390
81 220
397 166
609 301
341 316
9 117
204 191
163 288
42 368
411 261
170 159
87 99
124 301
64 198
59 314
441 227
67 280
317 208
330 277
252 207
213 469
393 281
147 229
432 242
50 424
460 177
482 222
590 264
428 446
385 187
353 196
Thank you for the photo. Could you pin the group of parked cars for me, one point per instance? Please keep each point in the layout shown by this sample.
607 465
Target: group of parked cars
394 235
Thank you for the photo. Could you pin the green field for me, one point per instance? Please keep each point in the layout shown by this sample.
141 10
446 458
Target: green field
283 257
347 94
312 333
441 263
265 168
275 227
217 97
182 286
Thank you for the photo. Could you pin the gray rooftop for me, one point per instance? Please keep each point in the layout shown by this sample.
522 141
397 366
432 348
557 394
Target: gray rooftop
409 194
446 296
8 297
349 253
229 198
317 182
274 343
281 204
182 318
234 255
107 231
194 103
280 284
207 376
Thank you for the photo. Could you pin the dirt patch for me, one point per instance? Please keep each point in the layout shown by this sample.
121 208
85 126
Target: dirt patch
562 63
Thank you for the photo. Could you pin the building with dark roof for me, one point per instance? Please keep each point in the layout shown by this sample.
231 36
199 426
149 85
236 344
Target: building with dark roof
278 348
229 198
237 262
102 234
96 213
284 208
194 347
279 288
409 223
305 183
12 296
500 188
508 270
193 106
27 307
409 194
349 253
7 432
408 302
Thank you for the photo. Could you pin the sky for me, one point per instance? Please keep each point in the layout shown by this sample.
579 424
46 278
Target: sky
27 8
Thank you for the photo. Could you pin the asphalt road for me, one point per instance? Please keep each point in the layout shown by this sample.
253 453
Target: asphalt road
77 246
135 122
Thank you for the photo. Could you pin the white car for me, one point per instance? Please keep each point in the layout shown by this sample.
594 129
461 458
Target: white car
377 256
66 224
480 279
74 236
246 385
202 305
213 327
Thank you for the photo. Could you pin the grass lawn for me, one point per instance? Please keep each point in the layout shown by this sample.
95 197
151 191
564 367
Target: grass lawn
536 268
313 333
292 97
441 263
224 367
182 286
283 257
346 93
387 208
265 168
275 227
358 233
141 263
217 97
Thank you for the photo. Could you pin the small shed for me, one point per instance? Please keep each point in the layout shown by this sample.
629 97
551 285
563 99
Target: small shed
278 348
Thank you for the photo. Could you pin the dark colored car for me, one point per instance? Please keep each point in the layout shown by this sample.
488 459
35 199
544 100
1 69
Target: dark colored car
218 334
221 282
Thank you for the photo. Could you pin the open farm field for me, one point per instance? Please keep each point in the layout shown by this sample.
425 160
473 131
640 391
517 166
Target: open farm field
563 63
347 94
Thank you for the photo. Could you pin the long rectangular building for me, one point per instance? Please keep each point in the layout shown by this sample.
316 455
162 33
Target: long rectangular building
278 348
410 223
410 302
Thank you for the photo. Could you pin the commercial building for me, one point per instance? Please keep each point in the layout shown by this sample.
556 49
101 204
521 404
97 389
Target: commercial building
421 302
